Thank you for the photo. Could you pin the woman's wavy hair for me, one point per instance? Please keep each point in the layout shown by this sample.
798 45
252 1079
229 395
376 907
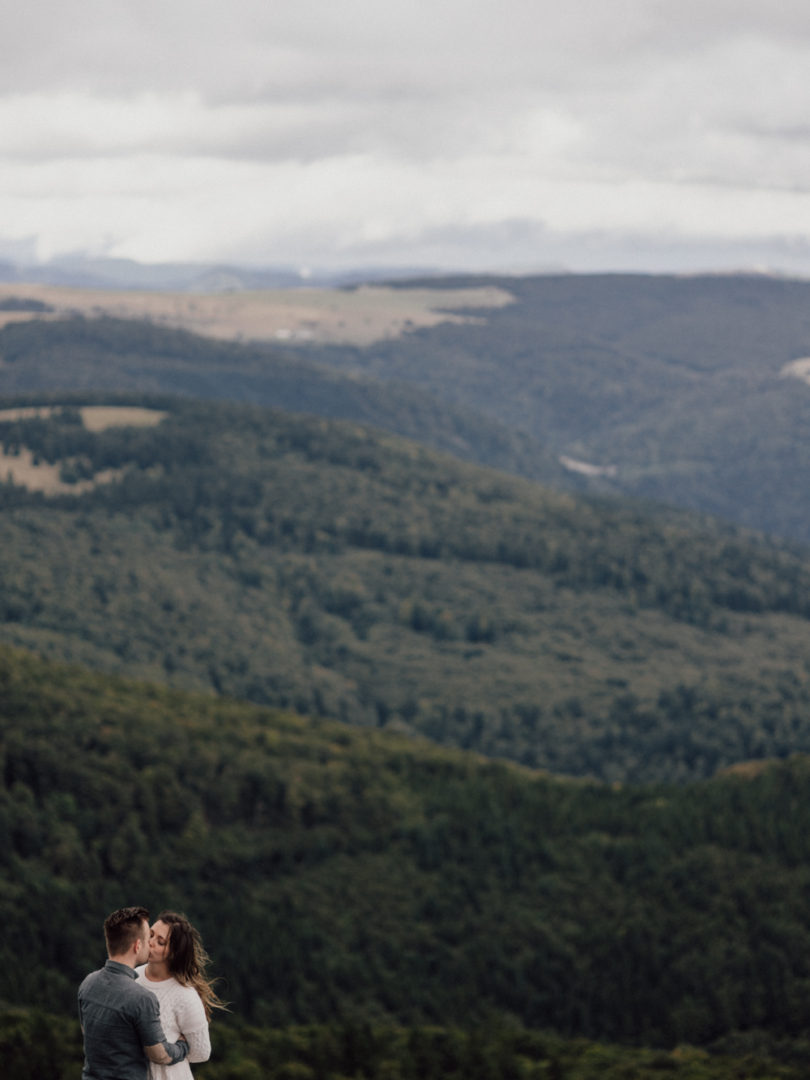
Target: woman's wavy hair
188 959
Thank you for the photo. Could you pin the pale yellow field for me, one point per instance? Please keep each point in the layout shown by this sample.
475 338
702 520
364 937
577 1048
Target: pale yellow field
101 417
357 316
40 476
94 417
24 471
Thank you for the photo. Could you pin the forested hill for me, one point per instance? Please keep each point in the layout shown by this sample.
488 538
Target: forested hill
683 388
127 356
689 390
340 875
324 567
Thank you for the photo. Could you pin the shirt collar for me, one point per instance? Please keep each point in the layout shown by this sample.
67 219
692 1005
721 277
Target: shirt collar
120 969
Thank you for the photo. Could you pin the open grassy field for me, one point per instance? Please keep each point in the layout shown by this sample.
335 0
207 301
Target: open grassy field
28 470
346 316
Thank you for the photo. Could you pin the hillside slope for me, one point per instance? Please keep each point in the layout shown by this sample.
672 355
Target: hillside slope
345 876
329 568
677 385
120 356
687 390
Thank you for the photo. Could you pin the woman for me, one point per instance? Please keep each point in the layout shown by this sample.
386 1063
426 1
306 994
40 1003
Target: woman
175 973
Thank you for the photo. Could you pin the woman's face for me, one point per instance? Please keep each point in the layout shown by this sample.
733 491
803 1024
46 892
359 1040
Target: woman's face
159 942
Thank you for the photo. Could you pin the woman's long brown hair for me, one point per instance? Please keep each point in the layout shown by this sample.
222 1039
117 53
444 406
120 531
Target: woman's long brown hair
188 959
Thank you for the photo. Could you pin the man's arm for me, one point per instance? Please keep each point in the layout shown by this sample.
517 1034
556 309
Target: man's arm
167 1053
154 1043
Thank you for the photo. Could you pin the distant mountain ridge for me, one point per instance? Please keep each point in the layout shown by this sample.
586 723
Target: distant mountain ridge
84 271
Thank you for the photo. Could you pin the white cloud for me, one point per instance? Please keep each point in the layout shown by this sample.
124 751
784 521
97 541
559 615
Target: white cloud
179 130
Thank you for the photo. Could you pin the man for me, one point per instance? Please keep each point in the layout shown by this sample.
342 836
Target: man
120 1018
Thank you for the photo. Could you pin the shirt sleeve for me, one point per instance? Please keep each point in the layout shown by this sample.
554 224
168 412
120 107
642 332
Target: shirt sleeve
150 1030
147 1021
192 1021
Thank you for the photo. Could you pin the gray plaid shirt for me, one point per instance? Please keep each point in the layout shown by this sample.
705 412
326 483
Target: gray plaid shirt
119 1018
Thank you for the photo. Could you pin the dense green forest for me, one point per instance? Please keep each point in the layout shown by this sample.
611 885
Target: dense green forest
321 566
38 1044
360 883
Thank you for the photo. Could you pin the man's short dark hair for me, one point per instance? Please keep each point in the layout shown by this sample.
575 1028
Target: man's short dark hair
123 928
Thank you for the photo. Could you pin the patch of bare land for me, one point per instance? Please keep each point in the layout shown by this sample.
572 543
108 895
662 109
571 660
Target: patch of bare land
101 417
747 770
339 316
94 417
25 470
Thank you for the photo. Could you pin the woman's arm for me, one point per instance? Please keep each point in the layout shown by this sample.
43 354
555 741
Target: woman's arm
199 1044
192 1021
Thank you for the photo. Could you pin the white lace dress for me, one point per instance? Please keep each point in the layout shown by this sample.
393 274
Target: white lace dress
181 1013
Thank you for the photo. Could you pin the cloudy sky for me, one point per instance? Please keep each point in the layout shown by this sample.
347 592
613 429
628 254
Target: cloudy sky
477 134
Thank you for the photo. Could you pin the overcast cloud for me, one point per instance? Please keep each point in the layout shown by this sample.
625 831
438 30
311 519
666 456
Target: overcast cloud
646 134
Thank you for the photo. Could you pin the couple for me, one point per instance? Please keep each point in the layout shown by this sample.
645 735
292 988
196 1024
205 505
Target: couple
140 1019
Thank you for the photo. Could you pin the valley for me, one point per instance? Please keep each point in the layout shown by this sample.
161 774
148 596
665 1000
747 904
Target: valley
448 641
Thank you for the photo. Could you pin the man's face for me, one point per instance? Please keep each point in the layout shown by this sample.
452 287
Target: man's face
143 944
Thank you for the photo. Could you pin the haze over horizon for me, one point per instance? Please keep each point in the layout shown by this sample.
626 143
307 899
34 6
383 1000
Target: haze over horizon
482 136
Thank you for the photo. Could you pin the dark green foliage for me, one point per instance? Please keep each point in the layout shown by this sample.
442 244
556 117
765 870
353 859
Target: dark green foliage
350 877
494 1051
324 567
33 1044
